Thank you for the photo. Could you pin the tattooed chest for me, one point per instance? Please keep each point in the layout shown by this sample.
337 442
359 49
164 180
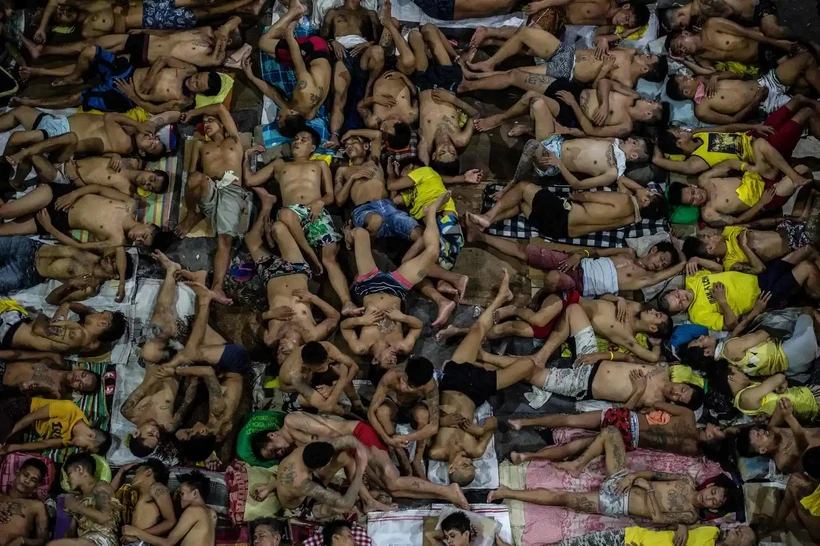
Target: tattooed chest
13 508
41 374
676 498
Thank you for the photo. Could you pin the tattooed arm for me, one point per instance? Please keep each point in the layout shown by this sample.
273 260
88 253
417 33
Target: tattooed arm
187 521
331 498
430 429
386 384
187 401
100 512
162 498
128 409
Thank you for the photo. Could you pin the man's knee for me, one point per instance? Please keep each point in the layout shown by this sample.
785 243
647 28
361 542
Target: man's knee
429 30
280 229
360 233
375 54
289 217
89 52
384 413
373 222
196 182
224 240
329 253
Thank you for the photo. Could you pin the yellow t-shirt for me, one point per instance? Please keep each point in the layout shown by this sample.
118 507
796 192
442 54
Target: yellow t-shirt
719 147
684 374
764 360
227 85
741 293
428 185
734 254
751 189
803 401
701 536
62 416
812 502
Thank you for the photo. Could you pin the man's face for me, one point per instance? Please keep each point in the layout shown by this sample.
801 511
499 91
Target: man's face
264 536
644 196
198 83
149 433
711 497
27 481
141 235
634 149
211 126
646 110
65 15
624 17
678 393
453 537
742 535
355 148
653 318
187 495
714 243
149 181
687 84
388 127
693 195
461 462
645 61
679 300
343 538
82 380
276 448
149 143
445 152
657 261
302 145
682 137
386 358
677 19
143 475
684 45
75 476
98 321
707 343
86 440
713 432
761 440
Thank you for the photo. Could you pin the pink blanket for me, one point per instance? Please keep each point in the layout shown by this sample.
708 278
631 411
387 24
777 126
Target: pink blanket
549 524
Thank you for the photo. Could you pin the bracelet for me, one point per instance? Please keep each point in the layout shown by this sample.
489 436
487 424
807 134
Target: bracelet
586 252
611 355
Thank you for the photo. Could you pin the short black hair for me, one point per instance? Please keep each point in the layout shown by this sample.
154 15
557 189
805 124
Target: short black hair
671 37
102 441
214 84
96 378
668 143
663 303
419 371
665 328
84 460
115 330
673 90
36 464
317 454
259 440
273 524
291 125
138 447
657 70
811 462
695 248
696 401
198 447
314 136
401 138
666 114
158 470
657 208
669 248
446 168
198 481
744 441
667 18
695 358
333 528
648 148
129 265
641 14
734 496
314 353
675 194
457 521
164 178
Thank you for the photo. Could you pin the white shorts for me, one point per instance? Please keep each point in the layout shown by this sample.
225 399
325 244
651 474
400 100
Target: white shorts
777 96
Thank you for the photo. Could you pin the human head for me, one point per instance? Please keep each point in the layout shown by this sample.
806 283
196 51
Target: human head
675 301
706 245
676 141
212 126
108 326
305 142
268 444
29 476
314 356
674 18
419 371
150 471
637 149
659 324
143 235
204 83
650 111
682 43
687 194
661 256
91 439
149 145
811 462
720 493
337 533
456 528
444 149
193 488
79 469
681 87
446 168
702 350
108 264
652 204
396 134
461 469
290 122
155 181
266 532
197 442
356 147
739 535
384 355
144 439
317 455
82 380
631 16
653 67
683 394
756 440
65 15
286 345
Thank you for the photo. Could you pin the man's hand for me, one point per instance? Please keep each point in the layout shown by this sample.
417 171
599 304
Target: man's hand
303 295
127 88
768 195
441 96
599 117
44 218
254 150
384 100
359 49
338 49
692 267
552 160
762 302
783 385
316 209
280 313
258 494
621 310
567 98
591 358
785 406
120 293
247 68
394 314
65 202
601 48
711 86
474 176
164 372
397 442
570 264
452 420
681 535
625 484
40 36
638 380
719 292
372 316
764 130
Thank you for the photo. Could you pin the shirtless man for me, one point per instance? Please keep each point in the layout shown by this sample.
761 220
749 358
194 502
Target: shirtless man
96 511
313 362
464 387
154 509
382 294
290 322
24 518
394 101
202 47
721 40
406 396
582 214
350 28
667 427
196 525
216 193
659 497
310 58
726 99
302 429
727 201
44 375
785 445
57 334
747 12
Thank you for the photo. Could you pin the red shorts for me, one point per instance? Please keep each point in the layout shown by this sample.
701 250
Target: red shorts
549 260
368 436
777 201
543 332
311 47
621 419
784 140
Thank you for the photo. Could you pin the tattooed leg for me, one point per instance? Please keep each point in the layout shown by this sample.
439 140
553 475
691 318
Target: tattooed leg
615 450
593 451
583 502
412 488
553 453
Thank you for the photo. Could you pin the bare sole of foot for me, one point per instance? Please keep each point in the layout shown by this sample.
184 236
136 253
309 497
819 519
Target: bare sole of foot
439 203
376 506
481 66
167 263
447 289
201 291
266 197
461 286
34 49
504 292
458 497
447 333
444 313
478 221
570 467
220 296
478 36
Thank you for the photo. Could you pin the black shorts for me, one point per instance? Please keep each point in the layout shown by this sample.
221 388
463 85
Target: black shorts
234 359
779 280
59 218
767 57
447 77
136 47
476 383
566 116
762 9
550 215
404 414
588 395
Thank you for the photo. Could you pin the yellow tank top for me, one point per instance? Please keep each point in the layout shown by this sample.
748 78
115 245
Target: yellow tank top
734 254
750 189
701 536
812 502
762 360
684 374
805 405
719 147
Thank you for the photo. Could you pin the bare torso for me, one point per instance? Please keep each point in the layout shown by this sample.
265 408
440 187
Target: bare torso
731 96
723 196
35 377
102 217
588 12
365 190
630 272
679 435
448 438
590 156
219 157
612 382
385 329
788 458
299 181
167 86
21 518
672 496
722 46
391 85
96 170
435 117
95 137
146 513
204 530
587 66
768 245
619 105
586 218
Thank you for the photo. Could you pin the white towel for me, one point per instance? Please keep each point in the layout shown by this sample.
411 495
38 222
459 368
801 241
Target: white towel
350 41
600 277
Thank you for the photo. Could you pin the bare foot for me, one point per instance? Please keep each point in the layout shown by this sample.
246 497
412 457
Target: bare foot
447 289
518 458
296 9
504 293
167 263
447 333
444 312
229 26
376 506
387 13
203 293
485 124
418 469
478 220
505 312
34 49
473 233
571 467
15 159
349 309
482 66
498 494
27 72
347 229
518 130
514 424
184 228
478 36
220 296
267 198
461 285
457 496
439 203
193 276
68 80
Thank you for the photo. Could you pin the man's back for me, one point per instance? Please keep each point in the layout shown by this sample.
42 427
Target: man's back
204 529
292 473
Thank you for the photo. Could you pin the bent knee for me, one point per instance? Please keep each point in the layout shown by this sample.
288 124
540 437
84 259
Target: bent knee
288 217
384 413
428 28
373 222
196 180
421 415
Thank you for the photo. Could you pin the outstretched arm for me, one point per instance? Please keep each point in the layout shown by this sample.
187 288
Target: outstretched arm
219 111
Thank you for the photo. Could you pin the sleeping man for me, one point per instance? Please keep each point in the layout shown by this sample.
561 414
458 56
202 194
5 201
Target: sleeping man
44 375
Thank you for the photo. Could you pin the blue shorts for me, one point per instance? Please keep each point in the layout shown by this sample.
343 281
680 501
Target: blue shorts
164 15
395 223
105 96
18 270
234 359
451 239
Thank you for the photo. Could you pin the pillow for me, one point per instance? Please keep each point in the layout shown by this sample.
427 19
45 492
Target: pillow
102 473
753 468
257 421
13 462
645 36
236 478
486 528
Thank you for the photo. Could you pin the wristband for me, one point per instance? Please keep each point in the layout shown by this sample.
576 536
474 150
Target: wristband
611 355
586 252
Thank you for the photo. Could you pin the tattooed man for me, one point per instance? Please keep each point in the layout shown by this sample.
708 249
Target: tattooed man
23 519
44 374
96 512
659 497
154 510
